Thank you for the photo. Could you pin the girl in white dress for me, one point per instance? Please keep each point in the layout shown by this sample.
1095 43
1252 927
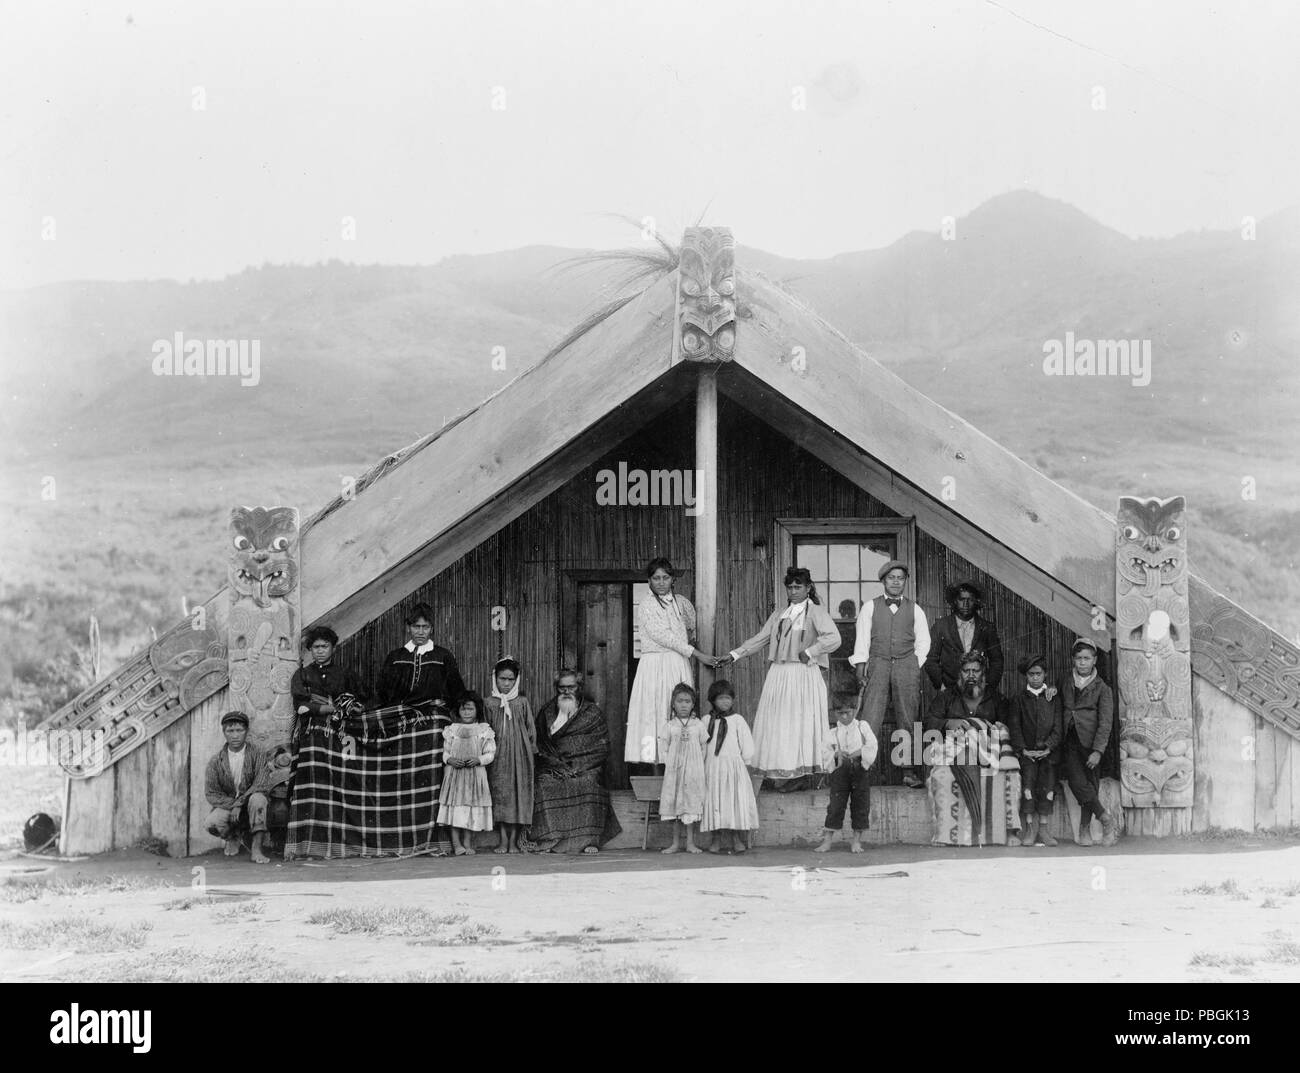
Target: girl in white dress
729 803
667 625
465 801
681 742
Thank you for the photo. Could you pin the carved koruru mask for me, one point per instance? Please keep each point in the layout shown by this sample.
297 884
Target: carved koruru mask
1151 543
261 555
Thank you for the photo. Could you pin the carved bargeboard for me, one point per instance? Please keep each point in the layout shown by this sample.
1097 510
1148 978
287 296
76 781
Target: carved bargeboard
263 623
1246 659
145 695
706 295
1153 653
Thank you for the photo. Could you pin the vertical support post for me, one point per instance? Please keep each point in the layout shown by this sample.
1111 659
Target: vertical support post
706 514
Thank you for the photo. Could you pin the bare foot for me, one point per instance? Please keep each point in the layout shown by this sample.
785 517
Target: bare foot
502 849
740 848
461 851
232 847
825 845
714 849
470 851
260 858
693 849
674 848
590 850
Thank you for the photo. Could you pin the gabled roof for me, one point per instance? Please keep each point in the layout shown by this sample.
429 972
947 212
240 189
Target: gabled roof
423 507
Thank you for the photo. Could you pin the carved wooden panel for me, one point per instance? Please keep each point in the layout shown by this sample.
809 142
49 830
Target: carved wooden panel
1153 653
145 695
1246 659
263 625
706 295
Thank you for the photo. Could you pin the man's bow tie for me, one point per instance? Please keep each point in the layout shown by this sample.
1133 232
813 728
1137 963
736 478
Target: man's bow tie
894 601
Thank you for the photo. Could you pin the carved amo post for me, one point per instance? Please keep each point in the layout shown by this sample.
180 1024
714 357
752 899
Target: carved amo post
264 618
1153 653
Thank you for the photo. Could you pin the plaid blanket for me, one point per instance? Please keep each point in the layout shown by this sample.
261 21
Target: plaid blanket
366 784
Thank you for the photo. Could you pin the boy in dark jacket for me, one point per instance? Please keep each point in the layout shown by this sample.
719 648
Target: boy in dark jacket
1088 710
1034 722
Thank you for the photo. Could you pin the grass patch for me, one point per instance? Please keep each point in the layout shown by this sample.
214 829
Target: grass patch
1285 952
17 889
1270 903
470 933
1222 961
185 904
1287 890
236 913
1236 834
83 934
387 920
1228 886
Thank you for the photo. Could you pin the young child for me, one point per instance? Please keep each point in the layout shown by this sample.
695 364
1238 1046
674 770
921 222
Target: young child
848 753
729 803
465 803
1035 725
682 744
510 777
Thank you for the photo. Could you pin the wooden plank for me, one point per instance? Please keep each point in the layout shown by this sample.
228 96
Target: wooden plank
529 420
131 799
1294 754
706 518
205 739
1224 789
89 820
1265 773
169 800
545 478
1016 573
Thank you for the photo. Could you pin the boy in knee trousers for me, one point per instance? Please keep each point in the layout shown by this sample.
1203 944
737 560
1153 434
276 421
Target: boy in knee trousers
1088 709
848 753
1035 725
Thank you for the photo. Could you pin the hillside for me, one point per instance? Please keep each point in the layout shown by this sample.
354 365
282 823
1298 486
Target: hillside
358 360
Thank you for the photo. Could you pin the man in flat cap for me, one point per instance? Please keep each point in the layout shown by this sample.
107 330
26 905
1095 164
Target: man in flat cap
1088 709
234 782
963 630
892 643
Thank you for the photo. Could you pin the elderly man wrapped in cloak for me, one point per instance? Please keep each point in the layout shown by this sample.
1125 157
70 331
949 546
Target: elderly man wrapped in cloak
571 807
974 781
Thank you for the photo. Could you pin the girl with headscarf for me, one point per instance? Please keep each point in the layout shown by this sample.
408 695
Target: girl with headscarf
510 775
793 719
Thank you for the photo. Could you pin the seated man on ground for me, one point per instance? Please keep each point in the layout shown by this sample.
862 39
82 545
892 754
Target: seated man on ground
974 784
235 781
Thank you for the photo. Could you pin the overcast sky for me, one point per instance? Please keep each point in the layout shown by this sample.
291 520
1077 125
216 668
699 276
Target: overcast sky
384 113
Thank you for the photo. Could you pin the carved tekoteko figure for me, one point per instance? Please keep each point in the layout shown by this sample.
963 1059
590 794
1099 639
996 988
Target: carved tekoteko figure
1154 670
263 625
706 294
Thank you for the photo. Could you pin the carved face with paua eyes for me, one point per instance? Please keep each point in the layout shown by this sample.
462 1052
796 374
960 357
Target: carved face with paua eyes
1156 764
708 294
1151 544
261 554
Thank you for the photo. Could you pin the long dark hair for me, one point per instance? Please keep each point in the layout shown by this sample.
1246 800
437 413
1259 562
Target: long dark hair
716 720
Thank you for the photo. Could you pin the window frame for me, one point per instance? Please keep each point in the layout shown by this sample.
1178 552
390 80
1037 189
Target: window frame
788 530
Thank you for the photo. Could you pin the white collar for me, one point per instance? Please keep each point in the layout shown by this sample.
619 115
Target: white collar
422 650
794 611
1083 683
1037 692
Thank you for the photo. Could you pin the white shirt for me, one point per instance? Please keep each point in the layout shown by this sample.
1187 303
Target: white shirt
424 648
237 763
920 627
847 740
966 631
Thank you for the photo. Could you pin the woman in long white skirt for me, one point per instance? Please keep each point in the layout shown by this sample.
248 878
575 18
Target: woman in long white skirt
667 624
793 714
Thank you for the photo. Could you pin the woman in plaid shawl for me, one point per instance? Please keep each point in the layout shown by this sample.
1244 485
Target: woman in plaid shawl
571 809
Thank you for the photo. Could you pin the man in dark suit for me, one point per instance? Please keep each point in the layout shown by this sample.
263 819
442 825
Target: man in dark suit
965 630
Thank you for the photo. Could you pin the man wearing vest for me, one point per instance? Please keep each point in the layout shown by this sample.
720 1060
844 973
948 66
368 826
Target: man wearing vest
892 643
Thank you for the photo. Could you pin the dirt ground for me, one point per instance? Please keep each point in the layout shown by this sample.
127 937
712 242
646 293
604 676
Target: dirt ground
1158 911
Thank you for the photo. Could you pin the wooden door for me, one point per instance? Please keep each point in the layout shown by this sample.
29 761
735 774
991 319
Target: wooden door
604 632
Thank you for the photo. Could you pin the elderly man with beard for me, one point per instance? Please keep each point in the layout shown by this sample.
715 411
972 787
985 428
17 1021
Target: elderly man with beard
571 808
974 782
